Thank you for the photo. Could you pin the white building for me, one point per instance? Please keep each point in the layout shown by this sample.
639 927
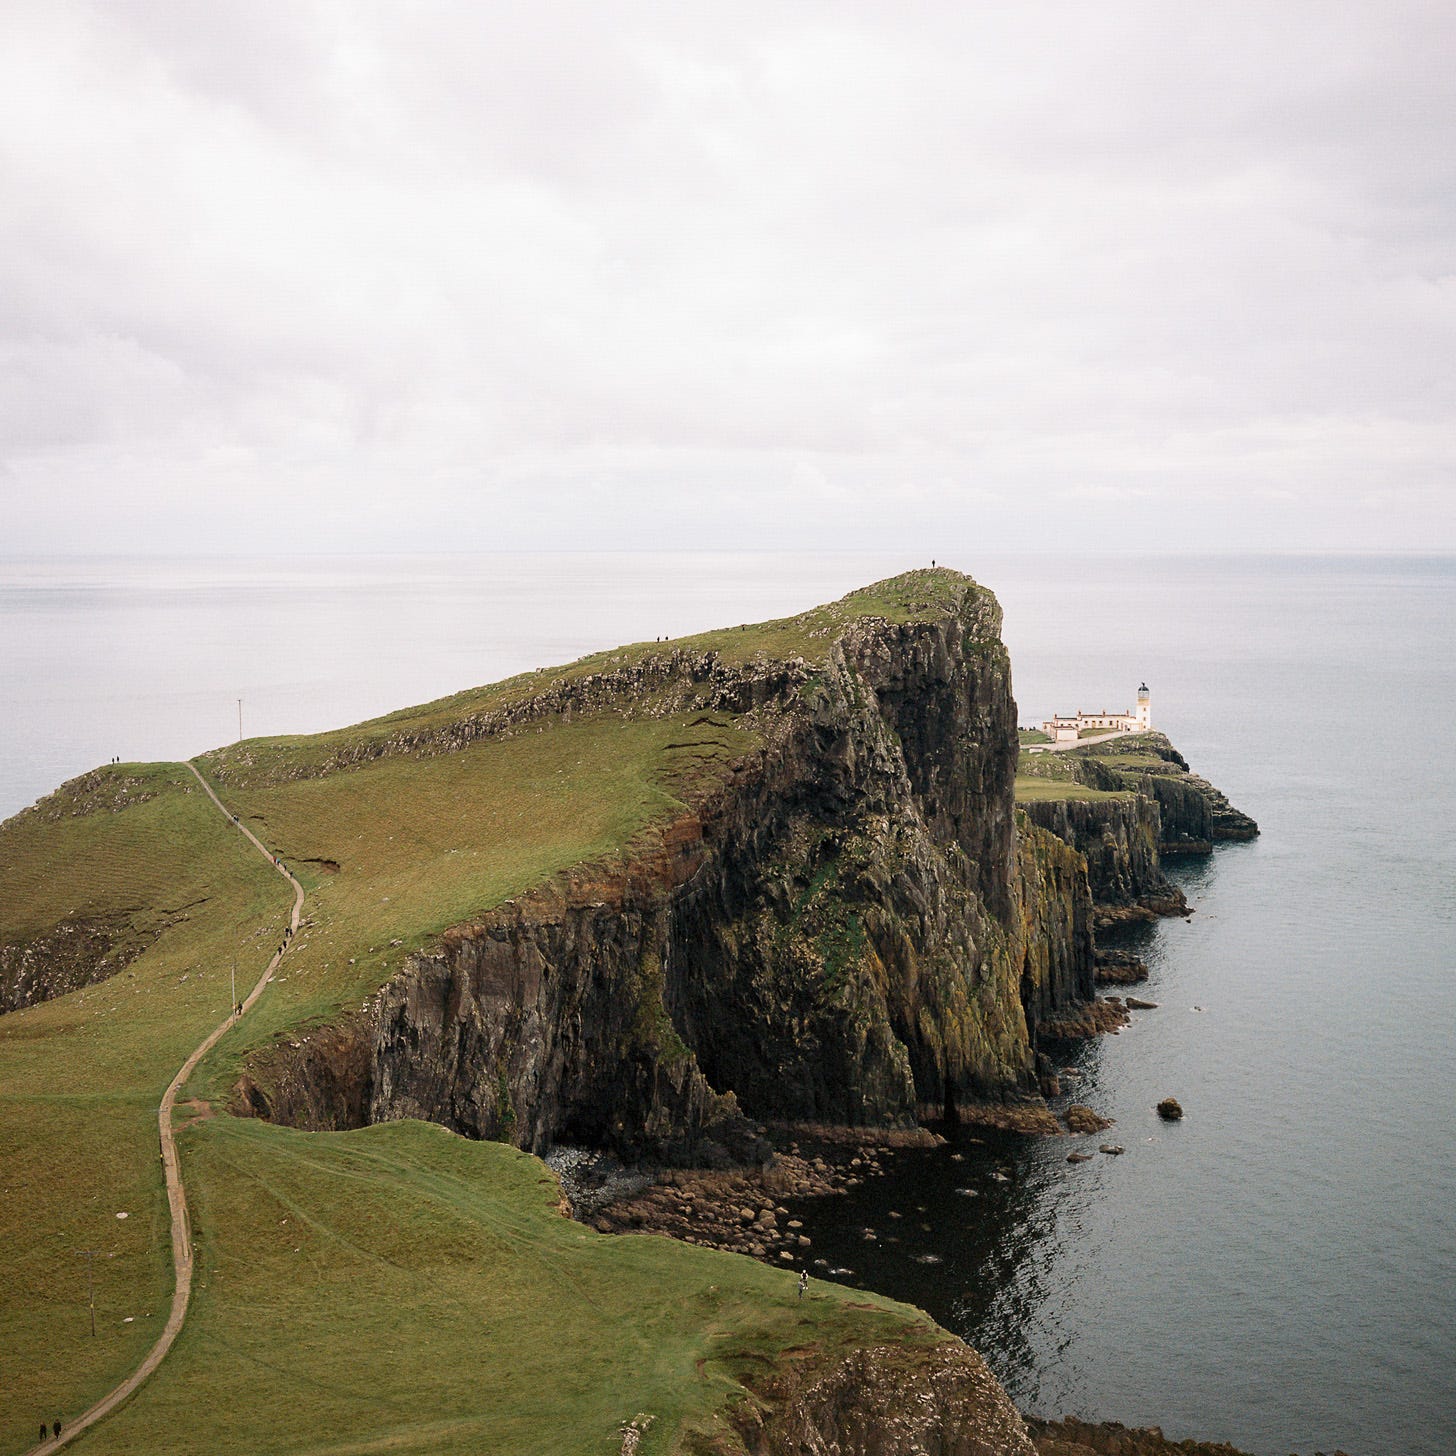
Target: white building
1068 728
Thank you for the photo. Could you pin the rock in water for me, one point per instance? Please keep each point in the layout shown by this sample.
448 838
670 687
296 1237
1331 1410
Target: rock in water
1169 1109
1082 1119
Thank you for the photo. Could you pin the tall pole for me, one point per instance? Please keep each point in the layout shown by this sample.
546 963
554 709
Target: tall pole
240 720
90 1256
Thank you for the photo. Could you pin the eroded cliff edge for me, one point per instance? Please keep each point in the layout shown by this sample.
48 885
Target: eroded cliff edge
1125 804
851 924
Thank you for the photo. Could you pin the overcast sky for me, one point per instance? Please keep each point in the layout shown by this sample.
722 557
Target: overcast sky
378 276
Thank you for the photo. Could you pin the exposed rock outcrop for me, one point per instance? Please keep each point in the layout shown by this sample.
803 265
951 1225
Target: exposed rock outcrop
1071 1437
1118 968
1193 814
1058 956
75 952
1082 1119
69 955
888 1401
1144 804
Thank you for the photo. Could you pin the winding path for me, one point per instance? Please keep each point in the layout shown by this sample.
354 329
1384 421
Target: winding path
176 1193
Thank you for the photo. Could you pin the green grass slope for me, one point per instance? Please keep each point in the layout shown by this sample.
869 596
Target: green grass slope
402 1289
1041 776
1097 769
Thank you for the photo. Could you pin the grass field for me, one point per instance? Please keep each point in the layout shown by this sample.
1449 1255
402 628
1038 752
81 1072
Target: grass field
1029 736
1029 789
1127 755
401 1289
395 1289
412 846
1091 771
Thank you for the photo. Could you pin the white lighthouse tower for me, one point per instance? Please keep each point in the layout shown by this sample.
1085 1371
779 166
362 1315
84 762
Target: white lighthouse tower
1144 714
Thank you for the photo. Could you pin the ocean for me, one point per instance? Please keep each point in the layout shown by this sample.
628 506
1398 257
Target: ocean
1279 1269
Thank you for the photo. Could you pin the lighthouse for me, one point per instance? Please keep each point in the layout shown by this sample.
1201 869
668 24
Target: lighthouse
1144 714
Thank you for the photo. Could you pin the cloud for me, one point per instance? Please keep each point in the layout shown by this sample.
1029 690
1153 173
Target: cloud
641 275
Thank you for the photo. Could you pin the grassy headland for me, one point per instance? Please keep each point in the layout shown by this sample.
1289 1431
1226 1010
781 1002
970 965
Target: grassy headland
1097 769
1059 776
396 1288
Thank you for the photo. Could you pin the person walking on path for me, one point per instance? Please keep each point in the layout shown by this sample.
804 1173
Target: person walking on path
56 1429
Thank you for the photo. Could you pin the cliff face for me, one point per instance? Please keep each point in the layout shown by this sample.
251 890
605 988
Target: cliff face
1056 906
1120 840
1160 808
1194 815
847 928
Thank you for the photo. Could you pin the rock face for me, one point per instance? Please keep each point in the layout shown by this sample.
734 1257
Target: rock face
853 927
1120 840
1058 966
1082 1119
881 1402
76 952
1118 968
1149 805
1193 814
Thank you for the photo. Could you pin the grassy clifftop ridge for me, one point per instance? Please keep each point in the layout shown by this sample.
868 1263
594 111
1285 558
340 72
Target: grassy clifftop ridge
643 679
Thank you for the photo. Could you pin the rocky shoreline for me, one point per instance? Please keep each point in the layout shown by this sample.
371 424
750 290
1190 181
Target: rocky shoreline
741 1210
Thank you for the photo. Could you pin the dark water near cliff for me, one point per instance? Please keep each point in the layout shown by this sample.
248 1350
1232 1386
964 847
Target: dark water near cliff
1279 1270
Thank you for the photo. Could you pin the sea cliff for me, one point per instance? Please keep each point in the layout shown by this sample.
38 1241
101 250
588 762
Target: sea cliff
1125 803
851 924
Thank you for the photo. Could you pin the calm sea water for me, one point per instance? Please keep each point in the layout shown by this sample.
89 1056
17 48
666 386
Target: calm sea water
1279 1270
